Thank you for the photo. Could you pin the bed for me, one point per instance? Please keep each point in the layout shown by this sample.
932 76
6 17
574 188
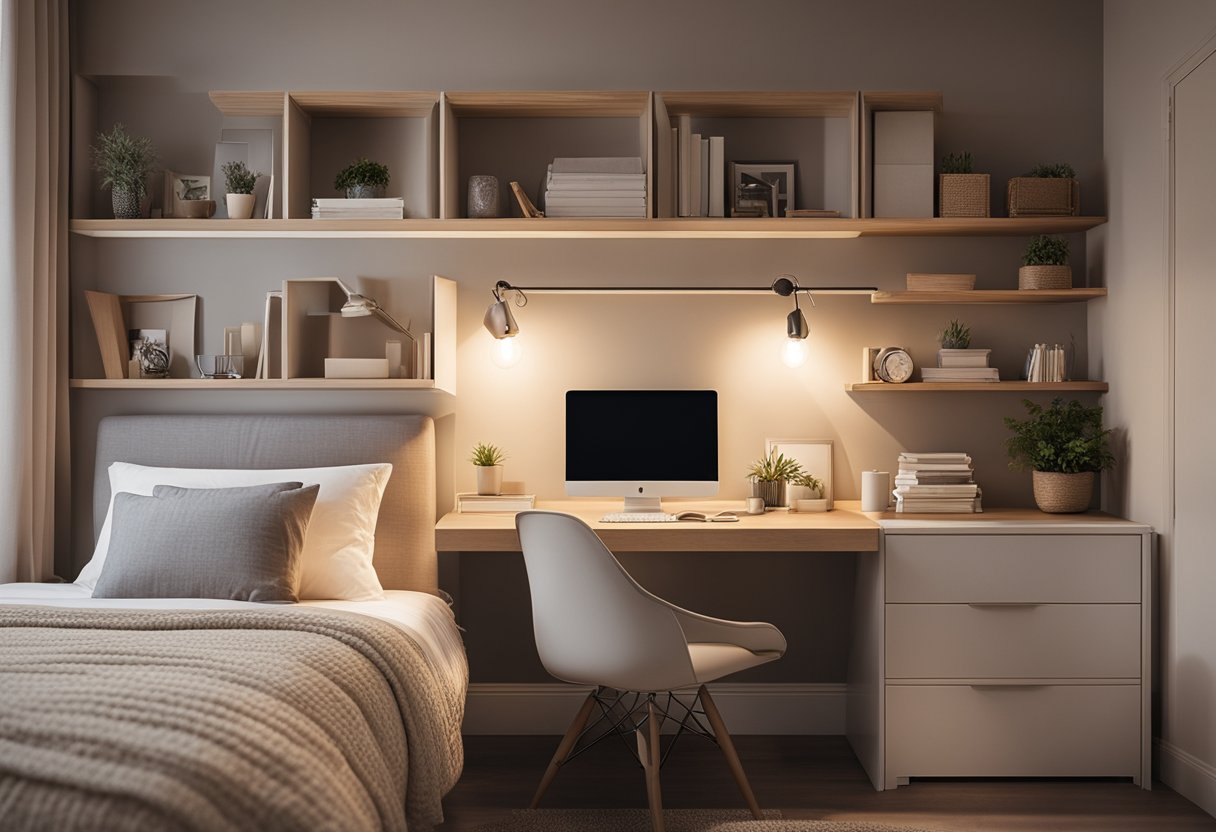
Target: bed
201 713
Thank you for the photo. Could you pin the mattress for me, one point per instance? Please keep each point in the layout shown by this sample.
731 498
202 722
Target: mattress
423 617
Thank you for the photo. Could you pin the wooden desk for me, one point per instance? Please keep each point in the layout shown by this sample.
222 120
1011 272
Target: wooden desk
844 529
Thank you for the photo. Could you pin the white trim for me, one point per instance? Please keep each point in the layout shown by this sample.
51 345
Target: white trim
547 708
1188 775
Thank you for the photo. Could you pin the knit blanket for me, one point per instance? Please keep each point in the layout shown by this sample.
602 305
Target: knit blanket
220 720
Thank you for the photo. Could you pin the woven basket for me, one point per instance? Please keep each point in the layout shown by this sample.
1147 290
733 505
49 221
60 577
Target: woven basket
1033 196
1057 493
963 195
1045 277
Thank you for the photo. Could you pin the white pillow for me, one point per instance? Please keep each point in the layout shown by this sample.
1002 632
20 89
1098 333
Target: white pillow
336 562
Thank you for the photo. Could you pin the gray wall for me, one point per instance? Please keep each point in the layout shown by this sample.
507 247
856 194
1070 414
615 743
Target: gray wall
1048 108
1144 43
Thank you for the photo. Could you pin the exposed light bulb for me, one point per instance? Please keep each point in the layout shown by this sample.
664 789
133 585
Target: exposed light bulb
506 352
795 352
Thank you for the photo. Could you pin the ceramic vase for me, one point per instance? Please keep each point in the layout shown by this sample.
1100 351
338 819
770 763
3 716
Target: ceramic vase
240 206
489 480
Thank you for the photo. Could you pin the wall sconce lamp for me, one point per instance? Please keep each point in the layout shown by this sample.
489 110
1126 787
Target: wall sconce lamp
500 323
796 328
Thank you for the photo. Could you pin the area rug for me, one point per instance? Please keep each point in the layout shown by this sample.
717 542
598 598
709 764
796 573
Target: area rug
676 820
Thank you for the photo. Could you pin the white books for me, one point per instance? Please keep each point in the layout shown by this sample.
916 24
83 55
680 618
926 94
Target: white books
505 503
1046 363
593 211
969 489
388 208
960 374
917 456
674 179
580 198
424 368
704 187
963 358
717 173
685 155
615 165
694 175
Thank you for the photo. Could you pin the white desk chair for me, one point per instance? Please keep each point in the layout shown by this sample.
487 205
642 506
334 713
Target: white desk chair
595 626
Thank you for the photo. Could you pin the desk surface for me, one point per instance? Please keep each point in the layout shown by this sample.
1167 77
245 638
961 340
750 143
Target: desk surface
845 529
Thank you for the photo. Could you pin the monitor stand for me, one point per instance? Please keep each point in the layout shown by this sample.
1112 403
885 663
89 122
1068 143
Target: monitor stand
648 505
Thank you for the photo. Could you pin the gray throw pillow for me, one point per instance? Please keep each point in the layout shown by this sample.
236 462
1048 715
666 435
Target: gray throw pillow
240 544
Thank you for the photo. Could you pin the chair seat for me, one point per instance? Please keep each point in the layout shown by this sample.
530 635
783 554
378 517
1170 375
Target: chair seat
711 660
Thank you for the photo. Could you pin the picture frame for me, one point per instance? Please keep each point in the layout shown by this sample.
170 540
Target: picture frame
182 187
782 174
814 455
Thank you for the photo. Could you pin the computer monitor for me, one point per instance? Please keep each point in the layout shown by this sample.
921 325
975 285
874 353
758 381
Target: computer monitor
642 445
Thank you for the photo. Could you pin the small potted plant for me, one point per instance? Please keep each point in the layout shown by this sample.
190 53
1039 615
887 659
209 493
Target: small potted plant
1063 445
363 179
487 459
125 162
239 182
769 476
1045 264
961 192
805 492
1046 191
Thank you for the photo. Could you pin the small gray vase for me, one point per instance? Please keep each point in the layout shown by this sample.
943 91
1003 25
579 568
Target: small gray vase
125 204
483 196
365 192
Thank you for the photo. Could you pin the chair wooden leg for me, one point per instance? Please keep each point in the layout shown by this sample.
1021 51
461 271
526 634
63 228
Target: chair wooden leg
728 750
564 747
648 752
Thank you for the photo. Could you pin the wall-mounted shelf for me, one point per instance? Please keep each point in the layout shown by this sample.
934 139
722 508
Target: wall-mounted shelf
979 387
591 229
990 296
253 384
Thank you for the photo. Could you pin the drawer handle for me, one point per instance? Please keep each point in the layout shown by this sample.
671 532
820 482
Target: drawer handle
1002 604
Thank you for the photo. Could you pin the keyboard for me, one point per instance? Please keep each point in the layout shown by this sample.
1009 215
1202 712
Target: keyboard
639 517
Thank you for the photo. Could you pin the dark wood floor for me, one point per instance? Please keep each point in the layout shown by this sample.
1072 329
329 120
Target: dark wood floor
804 777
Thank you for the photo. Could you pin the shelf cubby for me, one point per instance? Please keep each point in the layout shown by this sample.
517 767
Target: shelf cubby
815 130
886 101
515 135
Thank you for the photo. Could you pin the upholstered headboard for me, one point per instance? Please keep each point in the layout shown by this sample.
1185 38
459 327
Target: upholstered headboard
405 533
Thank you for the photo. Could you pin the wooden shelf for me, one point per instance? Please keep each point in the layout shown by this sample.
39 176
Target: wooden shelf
683 228
548 104
252 384
744 104
244 103
979 387
990 296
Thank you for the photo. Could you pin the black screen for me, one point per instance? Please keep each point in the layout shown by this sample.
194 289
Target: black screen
630 435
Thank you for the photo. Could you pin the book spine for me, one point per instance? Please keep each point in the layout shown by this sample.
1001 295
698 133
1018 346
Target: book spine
717 171
685 154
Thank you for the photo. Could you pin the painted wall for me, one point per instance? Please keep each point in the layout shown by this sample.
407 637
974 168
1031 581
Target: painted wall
1129 335
1049 109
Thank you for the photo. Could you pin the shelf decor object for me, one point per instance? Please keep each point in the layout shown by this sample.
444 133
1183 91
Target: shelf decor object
940 282
116 316
961 192
1045 265
1048 190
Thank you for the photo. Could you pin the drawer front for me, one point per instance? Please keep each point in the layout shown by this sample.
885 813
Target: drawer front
1049 641
1031 568
1051 731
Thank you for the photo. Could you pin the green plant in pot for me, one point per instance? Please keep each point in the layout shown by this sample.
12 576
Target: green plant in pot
487 460
961 191
1045 264
805 493
1064 445
239 182
769 476
125 162
363 179
1047 190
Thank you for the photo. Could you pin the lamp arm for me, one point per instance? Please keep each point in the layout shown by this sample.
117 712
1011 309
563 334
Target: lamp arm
393 322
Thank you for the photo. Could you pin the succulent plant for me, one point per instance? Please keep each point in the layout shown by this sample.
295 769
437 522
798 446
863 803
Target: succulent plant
1046 251
1057 170
124 161
776 467
957 162
956 336
485 456
238 179
362 172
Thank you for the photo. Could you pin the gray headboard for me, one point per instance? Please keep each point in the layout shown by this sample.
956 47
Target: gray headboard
405 533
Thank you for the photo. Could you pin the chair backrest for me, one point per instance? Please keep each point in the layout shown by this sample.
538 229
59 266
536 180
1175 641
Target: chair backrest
594 625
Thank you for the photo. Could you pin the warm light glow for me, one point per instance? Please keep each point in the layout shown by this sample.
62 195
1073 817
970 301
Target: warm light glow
506 352
795 352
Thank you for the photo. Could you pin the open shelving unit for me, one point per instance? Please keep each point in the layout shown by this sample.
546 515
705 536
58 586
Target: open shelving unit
884 101
978 387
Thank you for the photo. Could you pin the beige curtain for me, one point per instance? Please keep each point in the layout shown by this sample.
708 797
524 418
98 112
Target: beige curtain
33 281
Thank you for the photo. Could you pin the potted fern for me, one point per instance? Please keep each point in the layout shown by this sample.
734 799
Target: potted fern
125 162
1050 190
239 182
805 492
770 475
487 460
1045 264
362 179
961 191
1063 445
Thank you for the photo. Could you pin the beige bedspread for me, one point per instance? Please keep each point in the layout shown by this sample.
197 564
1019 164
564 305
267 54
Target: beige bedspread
220 720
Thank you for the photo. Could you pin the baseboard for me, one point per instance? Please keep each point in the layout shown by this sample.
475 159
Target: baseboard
547 708
1188 775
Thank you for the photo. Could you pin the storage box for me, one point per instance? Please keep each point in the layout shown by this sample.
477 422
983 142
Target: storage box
1032 196
963 195
903 190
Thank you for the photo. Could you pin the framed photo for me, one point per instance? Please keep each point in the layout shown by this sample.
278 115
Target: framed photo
815 456
747 183
183 187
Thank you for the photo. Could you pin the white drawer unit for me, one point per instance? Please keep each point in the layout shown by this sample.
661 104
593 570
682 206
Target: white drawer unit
990 648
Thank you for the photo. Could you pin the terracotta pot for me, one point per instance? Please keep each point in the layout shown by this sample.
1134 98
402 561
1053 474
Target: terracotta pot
489 479
1045 277
1057 493
240 206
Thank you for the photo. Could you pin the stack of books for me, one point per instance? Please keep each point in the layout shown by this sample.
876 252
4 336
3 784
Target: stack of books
961 365
388 208
598 186
939 483
470 502
1046 363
